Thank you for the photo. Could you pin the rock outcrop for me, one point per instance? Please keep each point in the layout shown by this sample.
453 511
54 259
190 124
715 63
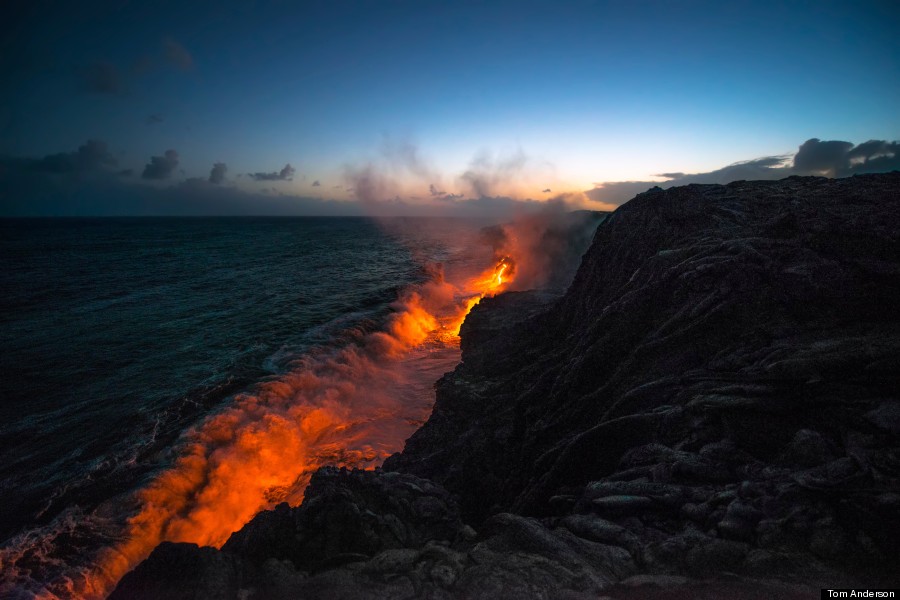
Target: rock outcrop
713 407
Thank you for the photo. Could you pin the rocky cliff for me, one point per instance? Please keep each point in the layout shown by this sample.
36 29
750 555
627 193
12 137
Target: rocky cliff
712 408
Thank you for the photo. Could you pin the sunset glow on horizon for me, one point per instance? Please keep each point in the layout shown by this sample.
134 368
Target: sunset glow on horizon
438 102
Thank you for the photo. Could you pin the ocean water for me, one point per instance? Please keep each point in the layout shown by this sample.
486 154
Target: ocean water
167 378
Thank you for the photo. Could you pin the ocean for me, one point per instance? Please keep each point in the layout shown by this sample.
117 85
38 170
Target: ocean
167 378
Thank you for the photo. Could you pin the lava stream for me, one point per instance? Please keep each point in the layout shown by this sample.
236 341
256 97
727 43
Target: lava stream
342 408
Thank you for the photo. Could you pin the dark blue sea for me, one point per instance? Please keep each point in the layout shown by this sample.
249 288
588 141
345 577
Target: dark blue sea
122 338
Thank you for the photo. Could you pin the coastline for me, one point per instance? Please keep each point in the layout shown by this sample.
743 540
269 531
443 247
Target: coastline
713 404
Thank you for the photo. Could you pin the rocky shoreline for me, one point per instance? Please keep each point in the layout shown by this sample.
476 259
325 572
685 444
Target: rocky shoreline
713 407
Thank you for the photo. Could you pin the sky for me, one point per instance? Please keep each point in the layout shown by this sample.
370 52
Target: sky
350 107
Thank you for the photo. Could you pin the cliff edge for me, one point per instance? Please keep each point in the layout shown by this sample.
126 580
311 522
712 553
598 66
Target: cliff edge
713 407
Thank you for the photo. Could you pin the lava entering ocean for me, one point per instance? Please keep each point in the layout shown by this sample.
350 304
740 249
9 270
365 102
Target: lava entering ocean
342 407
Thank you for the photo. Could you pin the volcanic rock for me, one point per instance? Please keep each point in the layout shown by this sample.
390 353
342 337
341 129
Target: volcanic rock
736 341
709 411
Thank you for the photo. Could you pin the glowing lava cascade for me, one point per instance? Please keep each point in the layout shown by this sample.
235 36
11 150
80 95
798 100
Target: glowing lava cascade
344 407
489 284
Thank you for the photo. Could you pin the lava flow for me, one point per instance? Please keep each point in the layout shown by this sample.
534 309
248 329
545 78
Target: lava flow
489 283
352 407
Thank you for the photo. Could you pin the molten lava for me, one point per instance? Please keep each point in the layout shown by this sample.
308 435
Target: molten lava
338 408
489 283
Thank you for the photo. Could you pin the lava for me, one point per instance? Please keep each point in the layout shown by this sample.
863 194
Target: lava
338 408
489 283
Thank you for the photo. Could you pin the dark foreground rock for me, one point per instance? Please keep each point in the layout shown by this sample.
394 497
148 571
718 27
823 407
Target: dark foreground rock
711 410
363 534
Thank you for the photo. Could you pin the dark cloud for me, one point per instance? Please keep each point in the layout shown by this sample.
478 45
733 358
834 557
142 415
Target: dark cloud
816 157
874 156
439 194
831 158
217 174
616 192
872 149
842 159
767 167
154 119
546 191
177 55
160 167
285 174
33 195
80 184
316 183
101 78
91 156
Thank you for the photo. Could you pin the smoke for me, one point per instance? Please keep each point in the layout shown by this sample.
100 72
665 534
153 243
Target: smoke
380 183
369 184
400 181
485 173
403 155
546 246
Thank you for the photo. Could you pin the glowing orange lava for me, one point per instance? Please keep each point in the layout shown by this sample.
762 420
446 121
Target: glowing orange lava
489 283
339 408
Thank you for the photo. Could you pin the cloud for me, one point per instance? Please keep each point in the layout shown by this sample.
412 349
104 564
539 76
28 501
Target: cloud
886 158
285 174
101 78
316 183
27 188
154 119
91 156
217 174
841 159
831 158
822 158
439 194
177 55
104 78
767 167
613 193
160 167
547 191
